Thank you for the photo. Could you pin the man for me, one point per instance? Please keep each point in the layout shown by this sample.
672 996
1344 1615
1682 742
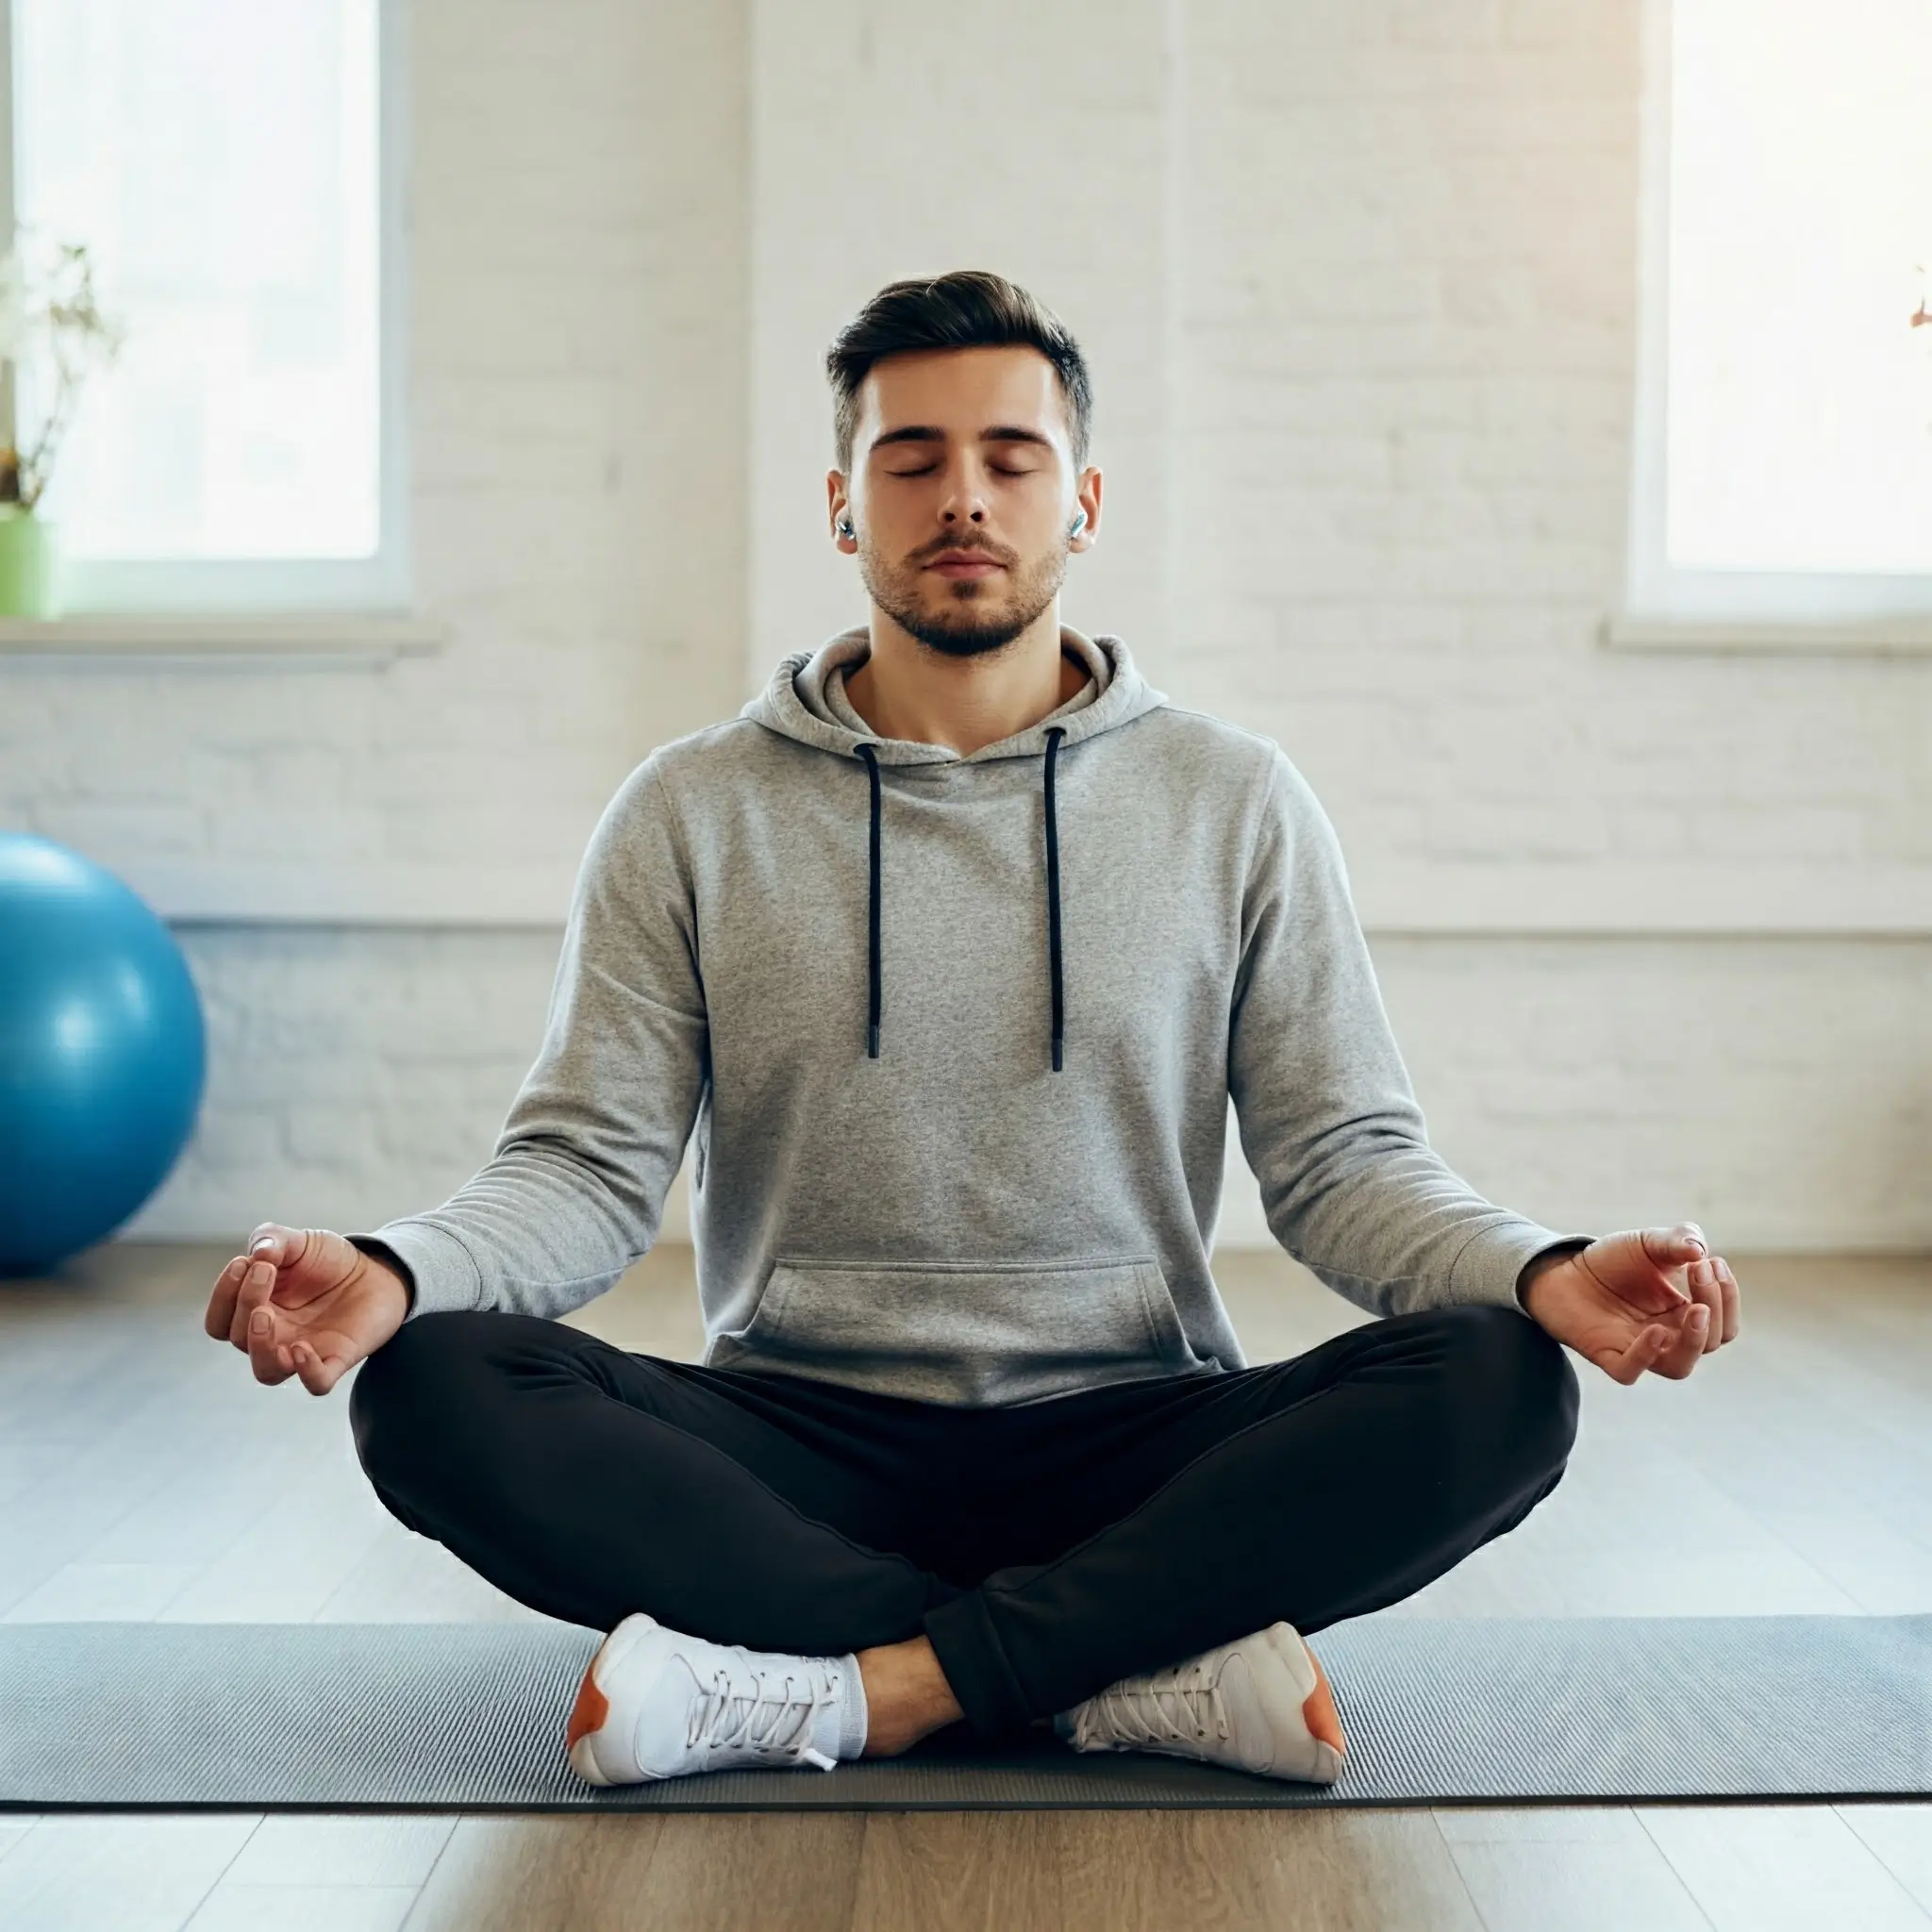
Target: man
952 946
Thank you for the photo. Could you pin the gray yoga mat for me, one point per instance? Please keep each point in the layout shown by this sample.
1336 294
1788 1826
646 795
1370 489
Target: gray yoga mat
471 1716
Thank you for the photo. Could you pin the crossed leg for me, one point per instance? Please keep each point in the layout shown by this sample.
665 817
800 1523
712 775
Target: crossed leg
1044 1551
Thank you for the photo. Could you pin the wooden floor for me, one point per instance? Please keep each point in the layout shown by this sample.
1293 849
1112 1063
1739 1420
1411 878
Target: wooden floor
143 1473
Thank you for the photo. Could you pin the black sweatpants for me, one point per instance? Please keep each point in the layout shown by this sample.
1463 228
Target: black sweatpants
1045 1549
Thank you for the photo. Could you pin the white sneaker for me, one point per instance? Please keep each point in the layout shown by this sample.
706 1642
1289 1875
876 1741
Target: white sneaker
656 1703
1260 1705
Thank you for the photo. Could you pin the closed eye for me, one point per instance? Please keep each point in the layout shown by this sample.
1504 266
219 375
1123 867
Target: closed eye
998 470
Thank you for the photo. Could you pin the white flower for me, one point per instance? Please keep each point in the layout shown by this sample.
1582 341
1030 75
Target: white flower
50 320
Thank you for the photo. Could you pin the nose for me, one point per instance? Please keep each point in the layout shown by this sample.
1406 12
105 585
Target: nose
964 497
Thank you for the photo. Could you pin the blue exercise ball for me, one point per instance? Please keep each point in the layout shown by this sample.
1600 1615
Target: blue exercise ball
103 1053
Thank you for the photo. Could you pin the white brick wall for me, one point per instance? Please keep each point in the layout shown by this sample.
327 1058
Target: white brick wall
1774 1089
353 1075
1358 284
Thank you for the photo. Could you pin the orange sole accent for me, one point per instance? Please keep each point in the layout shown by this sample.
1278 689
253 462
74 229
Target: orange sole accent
1318 1708
588 1714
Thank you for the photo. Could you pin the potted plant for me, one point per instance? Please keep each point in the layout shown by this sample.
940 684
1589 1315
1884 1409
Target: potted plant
48 316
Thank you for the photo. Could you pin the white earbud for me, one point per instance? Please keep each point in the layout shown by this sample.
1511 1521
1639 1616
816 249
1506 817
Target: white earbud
1074 529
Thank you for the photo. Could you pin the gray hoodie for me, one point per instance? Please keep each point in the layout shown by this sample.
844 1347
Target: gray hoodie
957 1036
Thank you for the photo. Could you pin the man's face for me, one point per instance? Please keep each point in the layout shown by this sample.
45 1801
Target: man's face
963 449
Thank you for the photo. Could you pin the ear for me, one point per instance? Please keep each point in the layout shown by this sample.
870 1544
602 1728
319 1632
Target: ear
1087 500
838 509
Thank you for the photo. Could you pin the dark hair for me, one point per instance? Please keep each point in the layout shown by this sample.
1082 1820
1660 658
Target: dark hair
970 308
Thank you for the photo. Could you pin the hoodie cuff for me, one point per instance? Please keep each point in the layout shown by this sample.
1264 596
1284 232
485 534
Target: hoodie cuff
440 1271
1489 1268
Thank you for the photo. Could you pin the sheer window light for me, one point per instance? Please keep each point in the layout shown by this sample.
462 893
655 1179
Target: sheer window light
223 160
1785 420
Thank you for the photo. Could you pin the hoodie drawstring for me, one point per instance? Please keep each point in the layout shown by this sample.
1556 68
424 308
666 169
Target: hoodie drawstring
869 753
872 1016
1055 733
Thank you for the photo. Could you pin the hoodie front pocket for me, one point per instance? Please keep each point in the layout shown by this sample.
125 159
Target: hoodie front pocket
963 1332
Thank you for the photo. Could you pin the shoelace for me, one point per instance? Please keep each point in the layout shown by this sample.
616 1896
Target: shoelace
1184 1701
727 1718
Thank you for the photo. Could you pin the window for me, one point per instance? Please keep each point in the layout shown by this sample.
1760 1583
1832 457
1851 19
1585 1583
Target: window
232 167
1784 423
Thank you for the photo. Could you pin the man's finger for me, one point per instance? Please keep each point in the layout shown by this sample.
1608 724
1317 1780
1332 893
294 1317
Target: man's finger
247 1295
1703 1284
271 1363
287 1247
1727 1283
1685 1345
258 1284
320 1374
271 1237
1673 1247
219 1319
1654 1346
1625 1364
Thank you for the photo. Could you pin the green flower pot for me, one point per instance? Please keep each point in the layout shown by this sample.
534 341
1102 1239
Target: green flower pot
29 565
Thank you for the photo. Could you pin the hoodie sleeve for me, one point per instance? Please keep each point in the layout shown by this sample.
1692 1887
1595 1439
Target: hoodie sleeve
574 1192
1328 1120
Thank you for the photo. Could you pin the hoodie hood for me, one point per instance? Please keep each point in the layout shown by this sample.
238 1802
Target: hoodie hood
805 700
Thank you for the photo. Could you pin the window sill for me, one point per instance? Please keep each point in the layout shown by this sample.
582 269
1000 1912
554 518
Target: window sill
1886 636
344 637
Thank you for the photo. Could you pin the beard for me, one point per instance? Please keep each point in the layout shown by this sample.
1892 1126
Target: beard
963 617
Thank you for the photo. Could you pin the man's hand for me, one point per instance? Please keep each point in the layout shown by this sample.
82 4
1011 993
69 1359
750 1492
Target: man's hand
1653 1298
305 1302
